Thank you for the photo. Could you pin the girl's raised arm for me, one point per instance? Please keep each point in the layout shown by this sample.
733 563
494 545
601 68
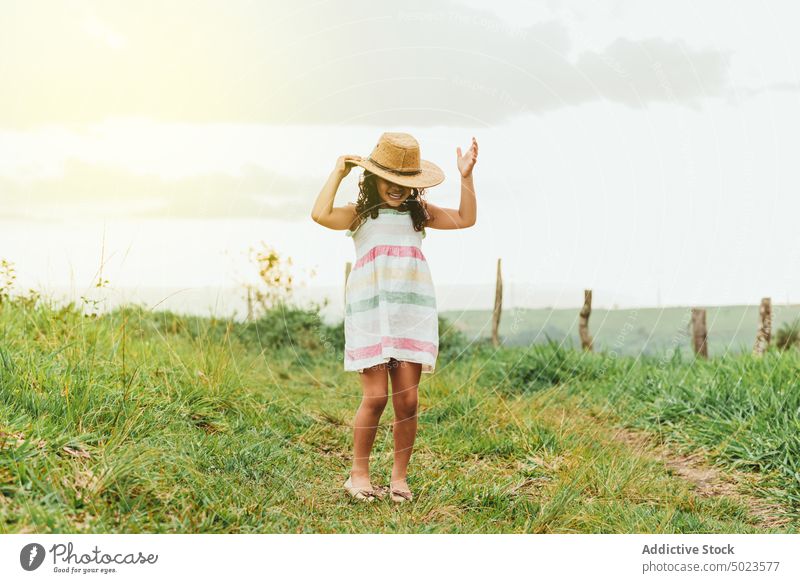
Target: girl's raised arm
466 214
324 213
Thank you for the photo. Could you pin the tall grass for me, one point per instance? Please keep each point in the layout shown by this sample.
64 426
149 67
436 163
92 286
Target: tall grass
136 421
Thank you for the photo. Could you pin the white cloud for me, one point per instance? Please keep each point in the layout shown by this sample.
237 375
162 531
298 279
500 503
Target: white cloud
416 64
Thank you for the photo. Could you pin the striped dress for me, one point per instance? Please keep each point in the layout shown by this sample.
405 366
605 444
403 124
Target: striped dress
390 301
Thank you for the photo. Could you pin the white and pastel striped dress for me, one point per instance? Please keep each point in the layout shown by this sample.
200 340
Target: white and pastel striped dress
390 301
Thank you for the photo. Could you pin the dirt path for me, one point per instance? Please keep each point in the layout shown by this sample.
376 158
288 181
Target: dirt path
703 479
707 481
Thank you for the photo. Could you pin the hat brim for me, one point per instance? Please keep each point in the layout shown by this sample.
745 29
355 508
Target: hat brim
430 174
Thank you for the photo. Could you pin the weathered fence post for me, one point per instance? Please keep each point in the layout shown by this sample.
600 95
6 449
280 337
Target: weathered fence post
764 334
699 333
583 322
347 267
498 306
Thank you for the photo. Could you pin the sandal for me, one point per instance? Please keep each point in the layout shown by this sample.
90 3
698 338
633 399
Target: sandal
401 495
366 494
380 492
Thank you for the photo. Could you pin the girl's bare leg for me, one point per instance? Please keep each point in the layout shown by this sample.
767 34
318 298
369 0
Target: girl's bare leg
375 385
405 382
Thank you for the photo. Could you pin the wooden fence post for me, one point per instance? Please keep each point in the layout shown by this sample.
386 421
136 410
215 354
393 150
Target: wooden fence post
699 333
347 267
583 322
498 306
764 334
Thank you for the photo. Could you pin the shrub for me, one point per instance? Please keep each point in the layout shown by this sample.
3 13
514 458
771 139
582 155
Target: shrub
543 365
788 335
289 326
452 341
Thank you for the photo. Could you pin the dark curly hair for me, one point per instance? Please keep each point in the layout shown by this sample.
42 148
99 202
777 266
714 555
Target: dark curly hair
369 201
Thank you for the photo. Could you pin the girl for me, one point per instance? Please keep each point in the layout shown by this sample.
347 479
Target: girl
391 323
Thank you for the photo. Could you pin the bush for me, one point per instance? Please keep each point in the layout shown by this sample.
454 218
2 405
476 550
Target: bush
544 365
288 326
788 335
452 341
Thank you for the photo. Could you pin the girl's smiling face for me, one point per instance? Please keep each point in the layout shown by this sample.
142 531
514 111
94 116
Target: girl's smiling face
392 194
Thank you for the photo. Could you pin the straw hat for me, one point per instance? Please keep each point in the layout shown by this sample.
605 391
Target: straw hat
396 158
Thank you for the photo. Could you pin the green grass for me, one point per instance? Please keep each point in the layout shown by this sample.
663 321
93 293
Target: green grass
743 411
152 422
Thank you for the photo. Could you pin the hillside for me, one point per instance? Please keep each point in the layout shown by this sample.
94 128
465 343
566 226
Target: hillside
731 329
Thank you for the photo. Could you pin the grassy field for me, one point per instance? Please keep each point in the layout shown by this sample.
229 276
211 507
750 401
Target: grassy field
731 329
151 422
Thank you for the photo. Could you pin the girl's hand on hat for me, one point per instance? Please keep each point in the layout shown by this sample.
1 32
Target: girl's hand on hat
466 162
345 163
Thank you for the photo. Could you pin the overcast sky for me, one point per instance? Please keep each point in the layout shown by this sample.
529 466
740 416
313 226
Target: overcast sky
646 150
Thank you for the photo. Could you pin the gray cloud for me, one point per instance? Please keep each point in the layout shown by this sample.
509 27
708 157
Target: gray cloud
307 62
102 190
635 73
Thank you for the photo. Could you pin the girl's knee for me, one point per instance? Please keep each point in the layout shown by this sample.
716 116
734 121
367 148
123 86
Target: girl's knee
374 403
405 402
